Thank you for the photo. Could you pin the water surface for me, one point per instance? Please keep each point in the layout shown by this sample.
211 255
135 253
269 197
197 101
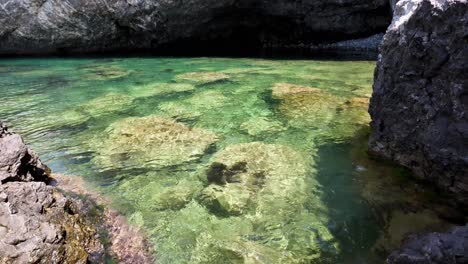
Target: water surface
223 160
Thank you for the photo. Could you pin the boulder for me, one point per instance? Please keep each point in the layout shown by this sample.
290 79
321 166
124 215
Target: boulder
419 106
17 161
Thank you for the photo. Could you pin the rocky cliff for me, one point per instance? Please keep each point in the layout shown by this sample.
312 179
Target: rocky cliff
75 26
419 106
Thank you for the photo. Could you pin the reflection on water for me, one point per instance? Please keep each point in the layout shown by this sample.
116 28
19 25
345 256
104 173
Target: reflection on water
224 160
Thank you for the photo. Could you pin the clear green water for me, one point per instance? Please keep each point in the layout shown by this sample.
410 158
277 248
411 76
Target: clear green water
152 133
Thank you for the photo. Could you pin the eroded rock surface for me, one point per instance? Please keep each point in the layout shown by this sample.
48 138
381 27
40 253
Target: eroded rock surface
17 161
51 26
419 106
434 248
38 224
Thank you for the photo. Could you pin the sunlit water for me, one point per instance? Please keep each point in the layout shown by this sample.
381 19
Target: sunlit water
223 160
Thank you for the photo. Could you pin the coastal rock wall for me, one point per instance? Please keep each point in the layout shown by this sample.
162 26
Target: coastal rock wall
419 106
79 26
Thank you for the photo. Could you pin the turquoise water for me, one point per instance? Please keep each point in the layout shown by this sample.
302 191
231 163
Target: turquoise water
223 160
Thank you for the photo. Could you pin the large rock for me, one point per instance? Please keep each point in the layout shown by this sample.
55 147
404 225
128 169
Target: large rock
51 26
17 161
419 106
434 248
38 224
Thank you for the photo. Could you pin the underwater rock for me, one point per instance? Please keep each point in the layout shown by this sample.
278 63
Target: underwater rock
283 89
154 192
104 72
261 125
305 106
267 183
105 104
154 89
434 248
202 77
17 161
419 106
38 224
195 106
150 141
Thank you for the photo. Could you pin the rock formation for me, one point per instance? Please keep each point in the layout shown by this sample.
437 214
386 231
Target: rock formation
55 26
434 248
419 106
38 224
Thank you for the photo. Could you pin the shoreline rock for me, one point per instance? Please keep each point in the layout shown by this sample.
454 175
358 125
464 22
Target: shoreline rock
42 223
419 106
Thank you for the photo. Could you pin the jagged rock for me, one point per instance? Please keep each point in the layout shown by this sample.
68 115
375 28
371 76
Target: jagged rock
150 141
17 161
419 106
51 26
434 248
38 224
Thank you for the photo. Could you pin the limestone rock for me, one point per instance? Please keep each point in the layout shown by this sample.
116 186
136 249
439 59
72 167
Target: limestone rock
17 161
38 224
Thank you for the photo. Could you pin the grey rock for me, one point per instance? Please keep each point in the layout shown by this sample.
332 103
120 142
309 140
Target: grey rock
419 106
17 161
38 224
434 248
51 26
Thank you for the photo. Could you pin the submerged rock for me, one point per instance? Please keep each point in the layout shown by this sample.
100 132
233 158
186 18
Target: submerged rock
261 125
203 77
105 104
419 106
104 72
305 106
434 248
195 106
154 89
267 184
150 141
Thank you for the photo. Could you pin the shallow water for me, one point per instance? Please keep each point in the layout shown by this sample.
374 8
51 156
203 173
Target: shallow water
223 160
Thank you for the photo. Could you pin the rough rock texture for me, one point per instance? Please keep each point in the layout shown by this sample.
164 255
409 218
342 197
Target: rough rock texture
17 161
419 106
38 224
434 248
50 26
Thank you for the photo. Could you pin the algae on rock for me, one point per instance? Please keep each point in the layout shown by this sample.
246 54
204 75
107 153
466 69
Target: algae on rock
150 141
202 77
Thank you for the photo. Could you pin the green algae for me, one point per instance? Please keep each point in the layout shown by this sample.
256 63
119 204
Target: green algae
217 159
150 141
